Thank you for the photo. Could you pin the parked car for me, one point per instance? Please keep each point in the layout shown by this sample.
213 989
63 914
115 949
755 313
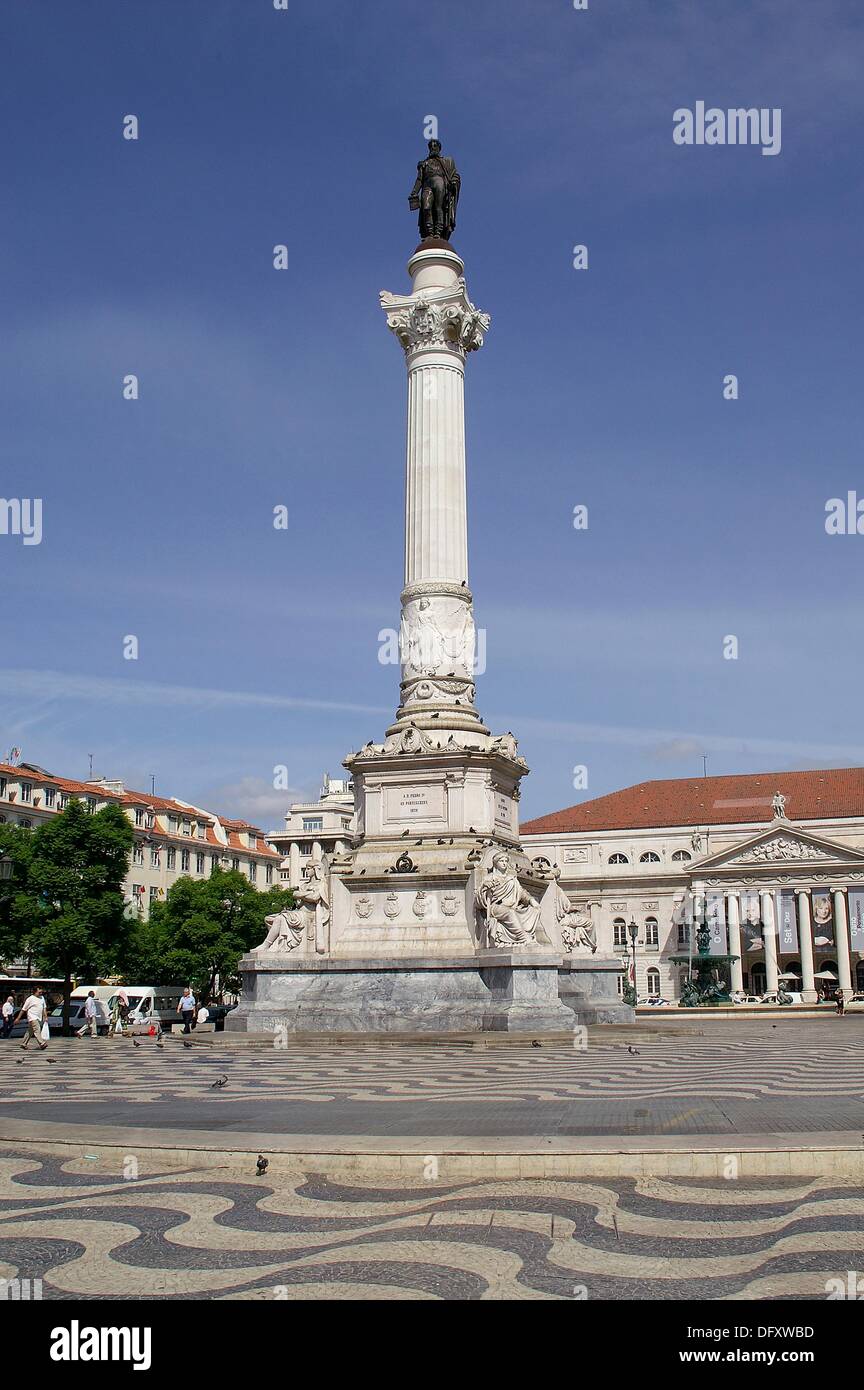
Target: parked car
746 999
657 1001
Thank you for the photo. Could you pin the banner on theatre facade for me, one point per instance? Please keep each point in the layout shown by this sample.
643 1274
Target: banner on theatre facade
856 919
787 923
715 920
823 920
751 921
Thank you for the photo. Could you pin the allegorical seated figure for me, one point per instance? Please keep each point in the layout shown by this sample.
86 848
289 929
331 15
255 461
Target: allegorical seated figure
576 926
436 193
510 913
285 931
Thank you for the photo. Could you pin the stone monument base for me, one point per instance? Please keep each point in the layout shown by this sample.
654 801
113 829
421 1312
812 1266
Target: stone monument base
491 992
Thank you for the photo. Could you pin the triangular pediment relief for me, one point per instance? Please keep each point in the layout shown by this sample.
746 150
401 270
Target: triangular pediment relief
780 843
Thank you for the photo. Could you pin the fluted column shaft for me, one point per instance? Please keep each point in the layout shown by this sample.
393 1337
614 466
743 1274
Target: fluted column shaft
436 522
841 936
769 938
733 918
805 941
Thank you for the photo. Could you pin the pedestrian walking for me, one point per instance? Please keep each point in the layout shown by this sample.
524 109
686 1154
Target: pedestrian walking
119 1013
186 1008
91 1016
8 1015
841 1003
34 1009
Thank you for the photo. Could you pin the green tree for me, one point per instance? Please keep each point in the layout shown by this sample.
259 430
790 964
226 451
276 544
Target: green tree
65 907
200 931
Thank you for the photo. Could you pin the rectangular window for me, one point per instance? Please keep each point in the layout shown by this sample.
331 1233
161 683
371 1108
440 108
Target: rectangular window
172 858
172 822
2 786
199 863
651 930
619 934
138 890
253 870
139 816
184 861
305 846
269 873
138 854
187 827
235 864
154 894
64 801
214 863
26 791
683 934
154 859
50 796
200 831
313 823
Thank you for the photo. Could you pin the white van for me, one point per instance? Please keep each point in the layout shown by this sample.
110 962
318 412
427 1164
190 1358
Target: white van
152 1001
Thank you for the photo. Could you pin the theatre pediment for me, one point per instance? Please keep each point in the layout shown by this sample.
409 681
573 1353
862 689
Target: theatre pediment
780 845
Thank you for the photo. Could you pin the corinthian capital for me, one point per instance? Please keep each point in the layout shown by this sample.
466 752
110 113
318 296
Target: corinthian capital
439 319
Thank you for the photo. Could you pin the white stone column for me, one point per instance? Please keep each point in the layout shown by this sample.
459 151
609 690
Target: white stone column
805 942
437 326
841 937
769 938
294 863
733 919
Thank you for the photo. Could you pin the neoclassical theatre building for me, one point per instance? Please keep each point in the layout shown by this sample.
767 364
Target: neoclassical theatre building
774 860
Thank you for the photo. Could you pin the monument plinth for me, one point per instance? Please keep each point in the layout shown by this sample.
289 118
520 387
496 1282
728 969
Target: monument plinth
435 920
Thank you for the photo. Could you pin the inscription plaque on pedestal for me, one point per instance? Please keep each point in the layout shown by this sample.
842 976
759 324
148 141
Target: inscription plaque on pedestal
414 803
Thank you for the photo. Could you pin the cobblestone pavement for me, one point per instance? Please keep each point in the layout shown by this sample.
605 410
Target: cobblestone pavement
194 1235
748 1078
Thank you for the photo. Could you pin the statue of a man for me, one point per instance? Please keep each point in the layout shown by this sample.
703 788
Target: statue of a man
436 193
510 912
778 805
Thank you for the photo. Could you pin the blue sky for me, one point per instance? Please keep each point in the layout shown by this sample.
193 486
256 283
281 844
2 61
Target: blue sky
258 388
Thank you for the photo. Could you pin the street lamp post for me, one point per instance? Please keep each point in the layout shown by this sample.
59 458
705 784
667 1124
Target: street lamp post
633 932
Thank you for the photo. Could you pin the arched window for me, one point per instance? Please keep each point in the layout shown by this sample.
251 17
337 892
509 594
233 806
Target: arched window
651 932
681 856
649 857
26 824
618 859
653 978
619 932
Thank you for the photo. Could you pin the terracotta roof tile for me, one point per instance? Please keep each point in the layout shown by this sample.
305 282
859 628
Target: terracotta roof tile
832 793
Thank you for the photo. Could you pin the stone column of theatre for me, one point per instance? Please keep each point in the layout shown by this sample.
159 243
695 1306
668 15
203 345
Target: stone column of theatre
733 917
805 942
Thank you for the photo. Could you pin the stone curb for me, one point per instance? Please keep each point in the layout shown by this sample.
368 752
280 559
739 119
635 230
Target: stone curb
833 1155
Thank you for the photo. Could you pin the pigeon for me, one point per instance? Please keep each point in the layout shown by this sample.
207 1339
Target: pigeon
405 834
362 871
160 1044
19 1061
451 839
420 841
262 1165
52 1061
535 1043
471 830
187 1044
435 716
135 1042
634 1050
442 842
217 1085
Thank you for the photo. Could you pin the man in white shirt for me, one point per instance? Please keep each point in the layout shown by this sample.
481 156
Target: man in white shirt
91 1016
8 1015
34 1008
186 1007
